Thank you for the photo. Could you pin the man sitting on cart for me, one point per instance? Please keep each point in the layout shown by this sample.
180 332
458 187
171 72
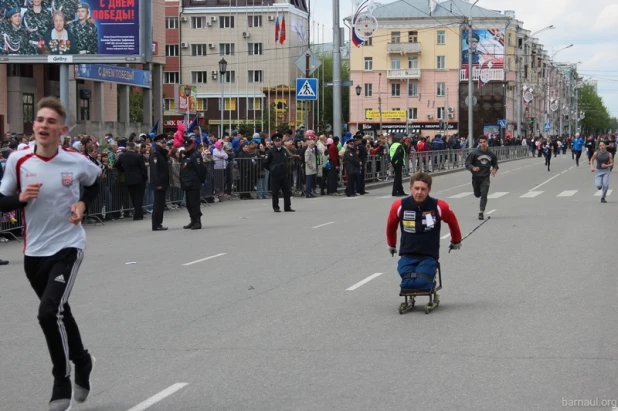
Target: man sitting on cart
420 218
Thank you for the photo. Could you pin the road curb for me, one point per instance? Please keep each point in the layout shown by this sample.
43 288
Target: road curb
439 173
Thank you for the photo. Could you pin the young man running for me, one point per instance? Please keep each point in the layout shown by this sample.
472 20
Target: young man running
601 164
482 162
44 181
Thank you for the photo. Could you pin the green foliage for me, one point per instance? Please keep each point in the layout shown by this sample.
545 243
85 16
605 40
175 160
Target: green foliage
613 124
136 108
597 117
326 111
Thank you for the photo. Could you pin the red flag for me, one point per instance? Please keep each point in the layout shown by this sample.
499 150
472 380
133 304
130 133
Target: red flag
277 29
282 32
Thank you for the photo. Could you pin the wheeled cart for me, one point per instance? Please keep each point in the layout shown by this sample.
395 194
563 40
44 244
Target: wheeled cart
411 294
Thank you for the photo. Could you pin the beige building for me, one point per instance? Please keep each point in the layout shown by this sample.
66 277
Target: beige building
243 33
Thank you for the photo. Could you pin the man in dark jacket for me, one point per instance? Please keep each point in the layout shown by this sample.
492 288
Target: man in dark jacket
277 162
482 162
192 176
133 166
160 180
352 166
397 155
362 156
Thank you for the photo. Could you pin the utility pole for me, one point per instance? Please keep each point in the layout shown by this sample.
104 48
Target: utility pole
337 129
407 104
380 99
470 85
518 86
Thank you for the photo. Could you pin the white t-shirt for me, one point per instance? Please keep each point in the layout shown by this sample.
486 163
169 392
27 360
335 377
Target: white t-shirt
47 229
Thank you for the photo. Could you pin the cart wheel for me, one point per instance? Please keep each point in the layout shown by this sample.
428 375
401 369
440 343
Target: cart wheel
427 309
402 308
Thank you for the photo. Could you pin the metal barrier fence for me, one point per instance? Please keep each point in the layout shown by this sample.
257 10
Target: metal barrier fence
246 178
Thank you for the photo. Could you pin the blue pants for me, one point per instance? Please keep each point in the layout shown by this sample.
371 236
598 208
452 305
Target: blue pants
427 266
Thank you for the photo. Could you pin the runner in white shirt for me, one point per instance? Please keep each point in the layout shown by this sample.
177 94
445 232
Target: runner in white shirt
44 182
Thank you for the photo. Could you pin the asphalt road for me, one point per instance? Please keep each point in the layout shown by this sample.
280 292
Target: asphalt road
527 319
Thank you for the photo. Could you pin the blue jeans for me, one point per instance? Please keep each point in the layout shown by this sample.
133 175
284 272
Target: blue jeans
601 179
427 266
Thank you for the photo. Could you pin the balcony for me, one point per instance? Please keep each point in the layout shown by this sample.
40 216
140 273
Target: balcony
403 48
403 74
487 74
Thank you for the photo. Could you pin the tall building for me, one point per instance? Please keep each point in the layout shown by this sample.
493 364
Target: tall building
413 71
260 74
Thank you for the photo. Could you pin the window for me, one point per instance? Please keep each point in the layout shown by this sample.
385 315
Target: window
368 42
171 77
413 36
198 49
198 22
412 62
171 23
255 49
440 89
368 89
440 62
226 22
368 64
199 76
84 109
254 104
413 113
254 21
441 37
255 76
228 77
226 49
395 63
413 89
440 113
395 90
202 104
172 50
170 104
395 37
28 106
230 104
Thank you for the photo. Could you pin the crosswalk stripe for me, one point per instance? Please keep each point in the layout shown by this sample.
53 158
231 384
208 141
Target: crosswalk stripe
531 194
598 193
498 194
461 195
567 193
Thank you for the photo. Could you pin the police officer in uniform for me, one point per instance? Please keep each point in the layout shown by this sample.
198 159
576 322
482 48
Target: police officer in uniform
160 179
397 154
277 162
85 33
192 176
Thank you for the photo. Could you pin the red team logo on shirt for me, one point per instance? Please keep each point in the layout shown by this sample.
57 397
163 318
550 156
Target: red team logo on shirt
67 179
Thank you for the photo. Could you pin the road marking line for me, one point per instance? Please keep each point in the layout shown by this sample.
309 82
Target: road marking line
322 225
452 188
532 194
159 397
385 197
365 281
490 212
498 194
445 236
598 193
204 259
545 182
567 193
350 198
462 195
567 169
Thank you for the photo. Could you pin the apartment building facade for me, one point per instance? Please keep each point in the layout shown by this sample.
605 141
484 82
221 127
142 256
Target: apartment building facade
259 80
413 72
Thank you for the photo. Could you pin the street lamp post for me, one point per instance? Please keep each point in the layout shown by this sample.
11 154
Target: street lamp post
358 91
470 85
547 103
222 70
188 98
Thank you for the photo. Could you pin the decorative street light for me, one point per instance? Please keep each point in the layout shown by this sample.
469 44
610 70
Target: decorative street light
358 92
188 98
222 70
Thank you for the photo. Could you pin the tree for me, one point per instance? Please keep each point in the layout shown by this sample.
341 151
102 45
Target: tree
596 116
136 107
613 124
326 111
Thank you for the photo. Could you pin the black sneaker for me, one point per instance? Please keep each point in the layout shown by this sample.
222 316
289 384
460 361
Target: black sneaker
189 226
83 373
481 217
61 395
603 200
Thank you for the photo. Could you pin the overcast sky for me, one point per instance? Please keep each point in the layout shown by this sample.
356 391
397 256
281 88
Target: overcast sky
590 25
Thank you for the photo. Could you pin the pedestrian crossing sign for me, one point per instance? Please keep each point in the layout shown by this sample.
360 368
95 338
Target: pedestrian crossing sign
306 89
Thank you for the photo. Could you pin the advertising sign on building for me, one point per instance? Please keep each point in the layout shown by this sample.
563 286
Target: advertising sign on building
89 31
386 114
487 46
114 74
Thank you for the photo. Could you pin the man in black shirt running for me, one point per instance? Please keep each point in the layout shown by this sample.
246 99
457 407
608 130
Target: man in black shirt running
482 163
